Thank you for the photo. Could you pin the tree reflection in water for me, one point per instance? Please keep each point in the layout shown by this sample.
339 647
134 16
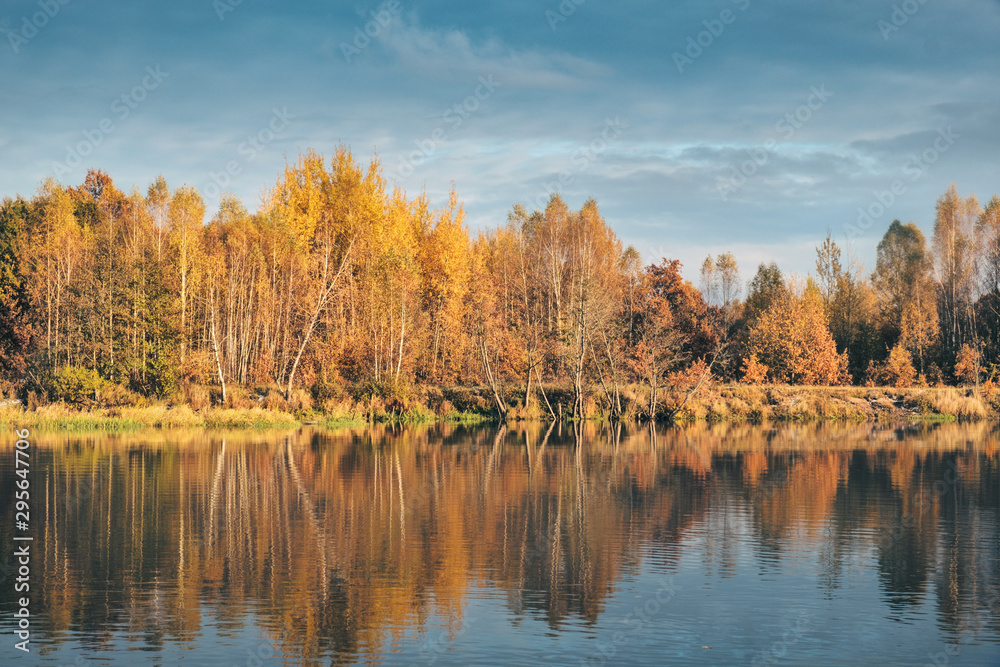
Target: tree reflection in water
340 543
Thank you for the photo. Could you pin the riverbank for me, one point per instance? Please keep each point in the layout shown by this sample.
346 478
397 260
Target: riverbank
346 413
62 417
773 403
756 403
715 403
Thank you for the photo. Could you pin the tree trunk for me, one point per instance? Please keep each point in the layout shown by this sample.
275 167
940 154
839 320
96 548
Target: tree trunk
215 346
527 386
402 331
484 355
694 390
538 376
324 295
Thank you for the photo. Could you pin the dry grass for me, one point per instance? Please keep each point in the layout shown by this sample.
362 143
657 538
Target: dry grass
60 417
196 395
248 418
966 404
715 403
796 403
159 416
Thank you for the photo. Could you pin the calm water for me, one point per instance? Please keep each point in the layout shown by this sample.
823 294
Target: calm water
441 545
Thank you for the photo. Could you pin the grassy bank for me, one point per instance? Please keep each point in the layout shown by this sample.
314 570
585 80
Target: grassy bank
61 417
759 403
332 415
714 403
792 403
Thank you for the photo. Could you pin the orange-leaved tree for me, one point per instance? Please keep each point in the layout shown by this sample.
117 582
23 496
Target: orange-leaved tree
792 339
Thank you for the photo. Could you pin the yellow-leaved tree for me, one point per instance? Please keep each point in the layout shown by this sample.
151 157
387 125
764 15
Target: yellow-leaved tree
186 215
59 250
444 270
325 211
388 281
487 316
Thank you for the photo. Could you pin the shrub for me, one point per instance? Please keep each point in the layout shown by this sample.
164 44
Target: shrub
36 400
118 395
300 400
239 398
386 388
967 366
275 400
198 367
416 414
871 374
898 370
344 410
934 376
197 396
328 388
754 372
77 385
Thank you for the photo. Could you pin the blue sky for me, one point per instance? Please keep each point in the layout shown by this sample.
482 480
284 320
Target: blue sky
699 127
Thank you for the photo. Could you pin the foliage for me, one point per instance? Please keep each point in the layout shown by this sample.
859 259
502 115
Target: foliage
77 385
342 290
766 286
967 365
897 370
792 340
15 327
754 372
955 251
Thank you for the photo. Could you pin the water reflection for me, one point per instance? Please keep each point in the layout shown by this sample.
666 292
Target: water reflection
341 546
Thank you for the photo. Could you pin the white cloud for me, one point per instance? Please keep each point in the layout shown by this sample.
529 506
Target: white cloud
449 53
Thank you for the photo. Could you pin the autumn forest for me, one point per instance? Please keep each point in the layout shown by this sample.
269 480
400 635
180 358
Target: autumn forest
340 288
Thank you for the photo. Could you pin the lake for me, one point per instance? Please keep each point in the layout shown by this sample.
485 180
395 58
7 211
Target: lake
455 545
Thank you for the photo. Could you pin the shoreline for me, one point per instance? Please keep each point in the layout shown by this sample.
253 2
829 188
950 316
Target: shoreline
716 403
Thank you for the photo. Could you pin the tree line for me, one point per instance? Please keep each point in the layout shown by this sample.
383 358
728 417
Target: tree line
340 284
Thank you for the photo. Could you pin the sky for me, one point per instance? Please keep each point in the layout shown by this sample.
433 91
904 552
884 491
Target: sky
699 127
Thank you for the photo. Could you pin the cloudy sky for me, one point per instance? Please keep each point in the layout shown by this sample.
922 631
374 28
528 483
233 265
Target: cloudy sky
699 127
